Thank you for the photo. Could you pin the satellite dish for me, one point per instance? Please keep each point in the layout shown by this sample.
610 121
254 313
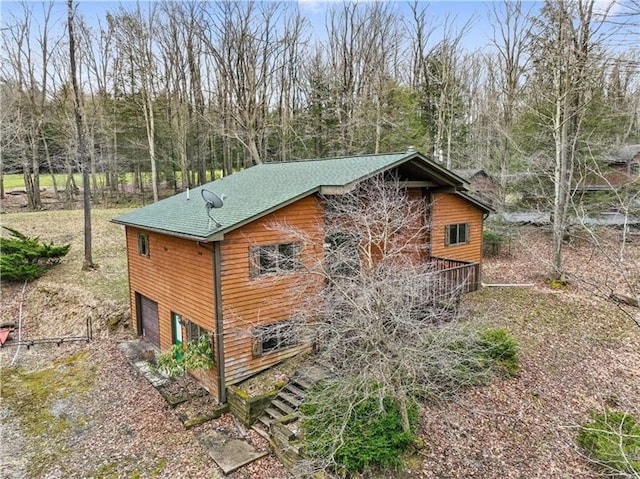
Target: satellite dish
212 200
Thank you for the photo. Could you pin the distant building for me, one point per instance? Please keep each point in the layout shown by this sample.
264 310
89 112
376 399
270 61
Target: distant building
481 185
614 170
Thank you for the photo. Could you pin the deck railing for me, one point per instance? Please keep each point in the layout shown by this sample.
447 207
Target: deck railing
456 275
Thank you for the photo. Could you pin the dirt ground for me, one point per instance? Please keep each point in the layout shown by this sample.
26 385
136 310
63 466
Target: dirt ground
79 410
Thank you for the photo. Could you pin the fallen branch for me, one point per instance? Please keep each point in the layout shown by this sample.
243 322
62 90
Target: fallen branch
621 298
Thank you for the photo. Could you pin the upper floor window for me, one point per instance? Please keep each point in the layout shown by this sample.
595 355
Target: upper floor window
456 234
341 253
274 258
143 244
634 169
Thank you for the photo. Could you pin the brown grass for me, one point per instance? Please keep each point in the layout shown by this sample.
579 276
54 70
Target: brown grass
59 303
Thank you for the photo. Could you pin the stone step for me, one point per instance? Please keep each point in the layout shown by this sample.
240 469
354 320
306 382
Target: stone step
282 406
290 398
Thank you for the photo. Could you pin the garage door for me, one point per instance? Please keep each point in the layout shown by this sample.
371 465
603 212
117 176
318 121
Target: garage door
149 320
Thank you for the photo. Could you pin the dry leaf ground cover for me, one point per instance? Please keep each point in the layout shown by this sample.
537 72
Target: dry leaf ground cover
79 410
577 353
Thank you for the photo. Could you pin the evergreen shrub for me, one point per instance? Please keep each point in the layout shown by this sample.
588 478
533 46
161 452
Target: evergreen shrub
499 349
372 434
24 258
612 440
492 352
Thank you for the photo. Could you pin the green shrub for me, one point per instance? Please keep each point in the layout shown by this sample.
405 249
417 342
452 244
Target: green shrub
366 436
612 439
192 355
480 357
499 350
14 269
23 258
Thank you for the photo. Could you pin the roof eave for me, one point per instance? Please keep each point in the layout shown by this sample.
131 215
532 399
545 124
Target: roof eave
443 174
483 206
262 214
218 236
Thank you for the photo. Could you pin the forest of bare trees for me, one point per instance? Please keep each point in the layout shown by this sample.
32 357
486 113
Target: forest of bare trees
173 91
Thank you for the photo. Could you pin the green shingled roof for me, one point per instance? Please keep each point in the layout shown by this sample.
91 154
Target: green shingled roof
258 190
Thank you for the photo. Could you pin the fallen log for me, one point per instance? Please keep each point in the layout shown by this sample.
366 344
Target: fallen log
621 298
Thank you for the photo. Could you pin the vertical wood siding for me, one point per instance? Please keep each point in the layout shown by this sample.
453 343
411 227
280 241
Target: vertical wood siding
448 209
178 275
248 302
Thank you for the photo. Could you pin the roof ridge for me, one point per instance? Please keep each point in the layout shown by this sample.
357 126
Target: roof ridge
313 160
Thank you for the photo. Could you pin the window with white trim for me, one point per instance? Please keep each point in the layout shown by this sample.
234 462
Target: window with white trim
456 234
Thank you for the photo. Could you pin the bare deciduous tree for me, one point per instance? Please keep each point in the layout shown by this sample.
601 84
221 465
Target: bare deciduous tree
83 159
29 45
565 44
511 36
385 323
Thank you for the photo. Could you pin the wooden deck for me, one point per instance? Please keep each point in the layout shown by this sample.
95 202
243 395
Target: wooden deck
456 276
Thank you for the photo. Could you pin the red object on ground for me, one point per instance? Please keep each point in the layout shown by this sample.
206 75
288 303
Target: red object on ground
4 334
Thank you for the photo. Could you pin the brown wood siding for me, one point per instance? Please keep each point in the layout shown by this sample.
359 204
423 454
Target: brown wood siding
450 209
421 233
249 302
178 275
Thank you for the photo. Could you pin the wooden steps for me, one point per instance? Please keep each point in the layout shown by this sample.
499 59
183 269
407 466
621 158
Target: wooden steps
285 405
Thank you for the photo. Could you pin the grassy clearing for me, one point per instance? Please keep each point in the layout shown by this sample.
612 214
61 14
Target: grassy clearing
59 303
531 313
109 280
46 181
14 181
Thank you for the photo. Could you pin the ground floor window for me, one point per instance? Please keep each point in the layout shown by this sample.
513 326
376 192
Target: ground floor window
274 337
190 330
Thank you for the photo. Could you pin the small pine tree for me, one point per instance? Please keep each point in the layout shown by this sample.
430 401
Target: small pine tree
23 258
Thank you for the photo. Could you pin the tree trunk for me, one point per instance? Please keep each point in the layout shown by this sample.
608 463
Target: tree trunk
82 145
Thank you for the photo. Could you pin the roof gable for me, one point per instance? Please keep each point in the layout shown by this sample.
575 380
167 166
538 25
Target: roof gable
624 154
261 189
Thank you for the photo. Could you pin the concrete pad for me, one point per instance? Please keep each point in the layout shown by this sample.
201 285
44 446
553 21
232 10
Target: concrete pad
155 377
229 453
